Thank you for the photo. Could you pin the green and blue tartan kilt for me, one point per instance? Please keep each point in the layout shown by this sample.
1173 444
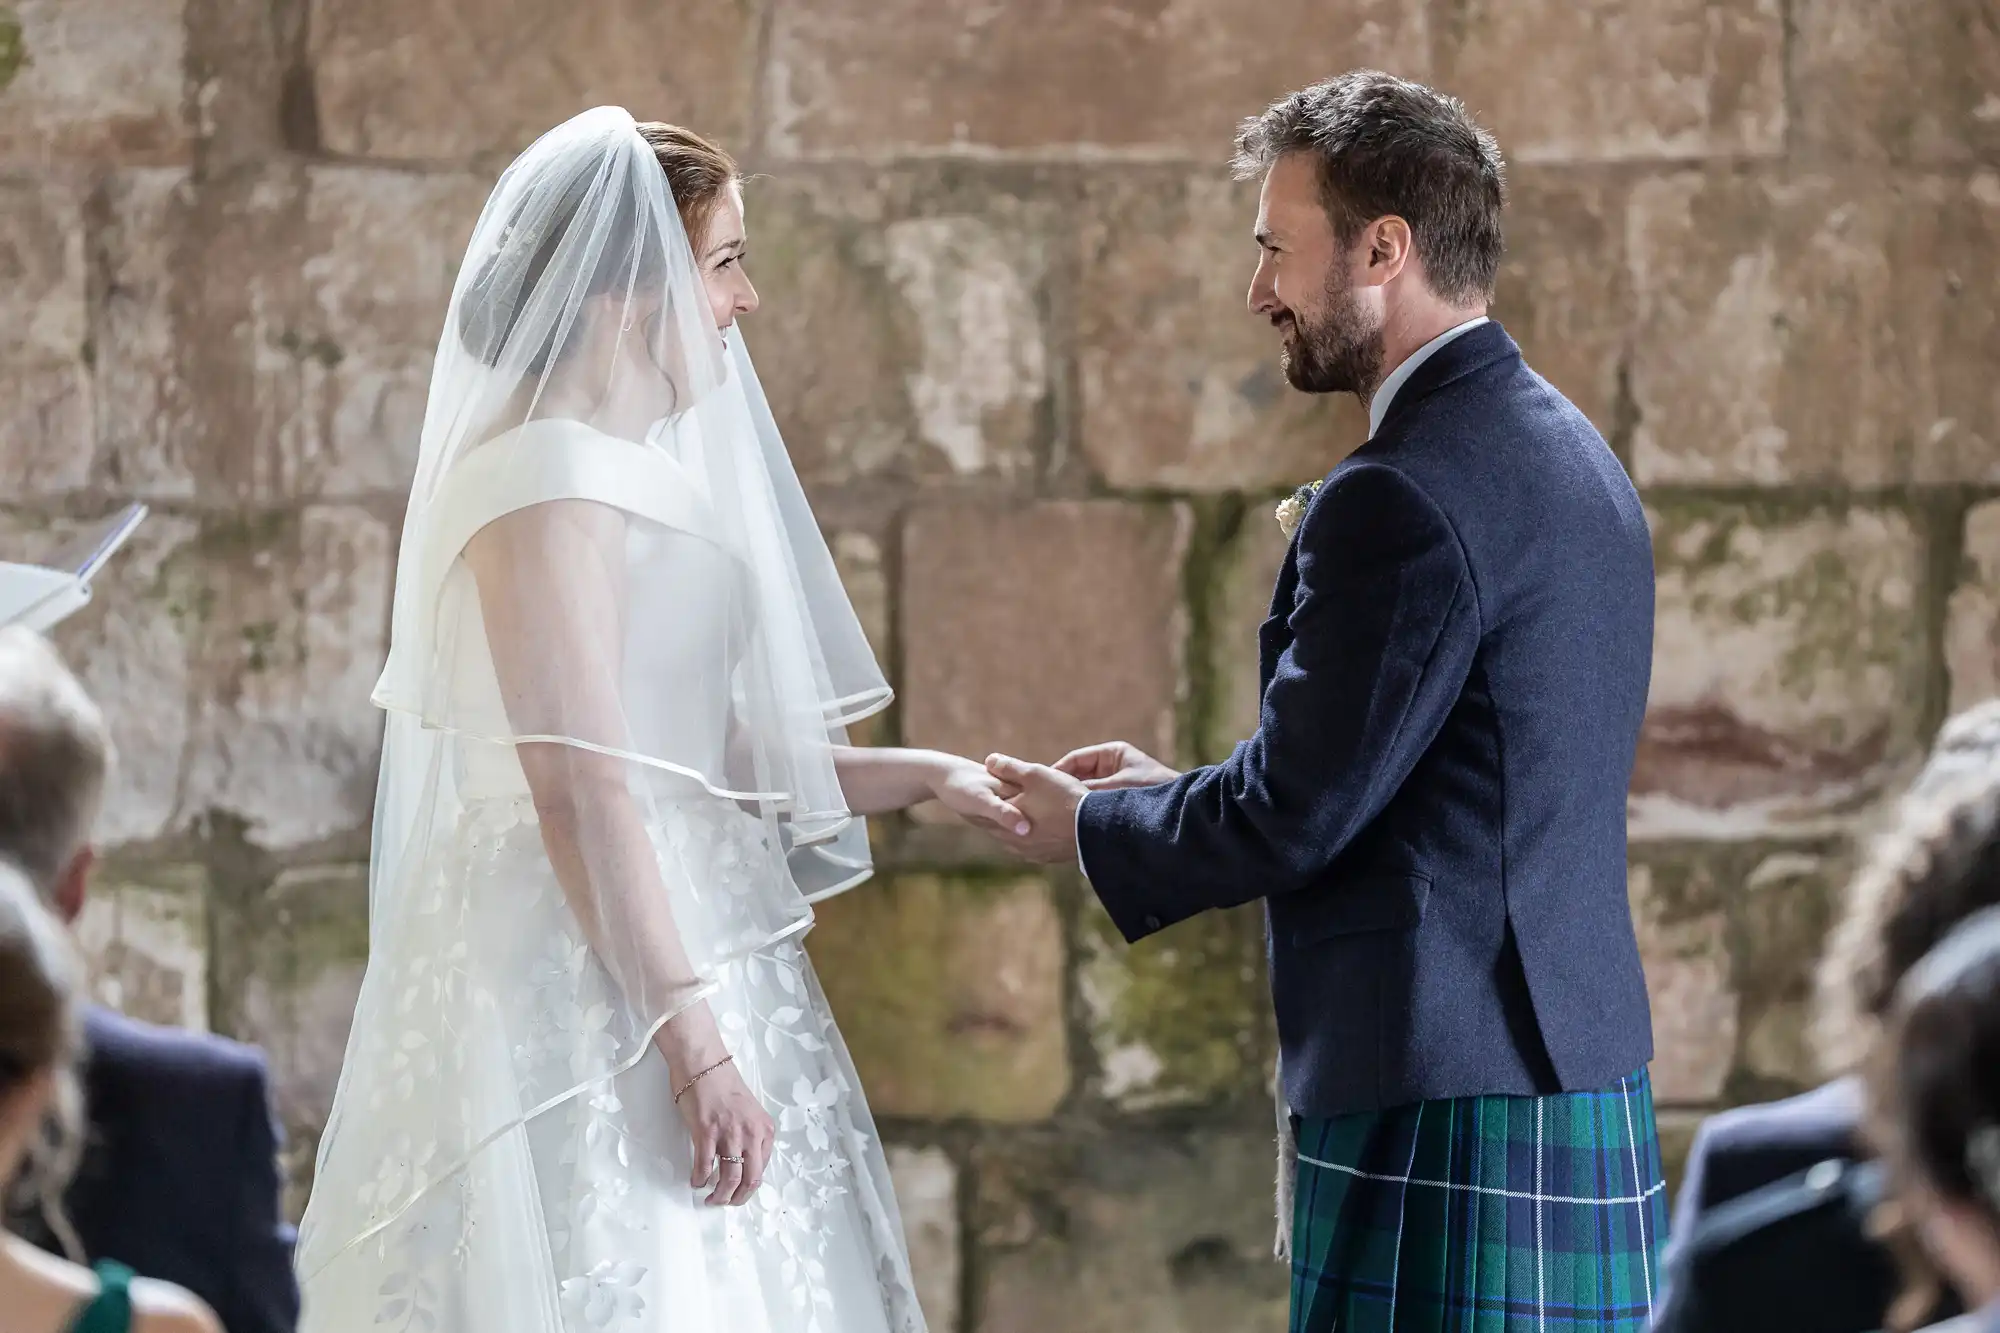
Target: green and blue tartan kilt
1481 1215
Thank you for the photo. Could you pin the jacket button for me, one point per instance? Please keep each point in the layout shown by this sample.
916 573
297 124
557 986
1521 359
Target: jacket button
1152 923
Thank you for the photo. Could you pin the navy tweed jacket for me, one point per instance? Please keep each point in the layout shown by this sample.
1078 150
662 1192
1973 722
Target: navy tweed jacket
1433 807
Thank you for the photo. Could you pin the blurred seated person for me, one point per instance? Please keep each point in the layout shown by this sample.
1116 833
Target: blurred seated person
1740 1150
179 1175
1775 1203
1934 1104
40 1044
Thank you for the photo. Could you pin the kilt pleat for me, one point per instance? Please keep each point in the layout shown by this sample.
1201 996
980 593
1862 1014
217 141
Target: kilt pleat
1481 1215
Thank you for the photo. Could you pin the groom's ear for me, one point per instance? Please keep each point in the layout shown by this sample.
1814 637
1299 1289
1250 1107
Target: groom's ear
1390 244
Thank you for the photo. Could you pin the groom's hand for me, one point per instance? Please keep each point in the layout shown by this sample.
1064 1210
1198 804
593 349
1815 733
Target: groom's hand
1049 800
1114 764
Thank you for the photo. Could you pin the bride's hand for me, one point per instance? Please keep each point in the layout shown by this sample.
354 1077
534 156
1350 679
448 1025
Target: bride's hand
723 1117
726 1121
970 792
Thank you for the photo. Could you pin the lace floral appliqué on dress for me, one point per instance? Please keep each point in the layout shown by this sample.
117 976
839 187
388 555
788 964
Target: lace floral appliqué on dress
627 1239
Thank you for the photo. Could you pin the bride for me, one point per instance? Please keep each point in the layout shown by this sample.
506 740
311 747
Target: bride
614 782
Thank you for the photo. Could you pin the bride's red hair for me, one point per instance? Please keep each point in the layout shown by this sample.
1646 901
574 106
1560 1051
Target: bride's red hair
698 173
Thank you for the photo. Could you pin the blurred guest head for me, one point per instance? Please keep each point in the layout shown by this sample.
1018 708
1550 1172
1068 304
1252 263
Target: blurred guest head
1380 216
1927 871
54 754
1935 1096
40 1044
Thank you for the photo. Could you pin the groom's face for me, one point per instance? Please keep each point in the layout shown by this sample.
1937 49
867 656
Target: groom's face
1331 326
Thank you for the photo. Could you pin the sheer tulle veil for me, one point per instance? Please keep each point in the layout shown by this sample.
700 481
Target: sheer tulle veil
671 640
584 217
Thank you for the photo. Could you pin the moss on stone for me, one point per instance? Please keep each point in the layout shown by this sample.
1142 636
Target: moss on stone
1128 1227
318 918
312 347
13 48
259 642
1769 907
239 533
1183 1017
147 933
1234 592
1203 576
1826 591
1680 883
1824 599
1779 923
949 992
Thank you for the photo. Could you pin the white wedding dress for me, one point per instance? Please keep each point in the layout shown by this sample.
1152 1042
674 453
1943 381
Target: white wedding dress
504 1155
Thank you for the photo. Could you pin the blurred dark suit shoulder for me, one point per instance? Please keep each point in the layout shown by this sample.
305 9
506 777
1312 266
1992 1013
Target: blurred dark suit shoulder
202 1065
180 1174
1794 1255
1744 1149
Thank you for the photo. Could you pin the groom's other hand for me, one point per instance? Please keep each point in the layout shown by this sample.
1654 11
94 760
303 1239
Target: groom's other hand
1114 764
1049 800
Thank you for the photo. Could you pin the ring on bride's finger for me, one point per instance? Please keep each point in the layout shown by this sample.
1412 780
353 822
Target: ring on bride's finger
733 1161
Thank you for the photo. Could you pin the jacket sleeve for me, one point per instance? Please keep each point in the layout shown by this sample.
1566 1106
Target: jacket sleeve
1385 625
264 1295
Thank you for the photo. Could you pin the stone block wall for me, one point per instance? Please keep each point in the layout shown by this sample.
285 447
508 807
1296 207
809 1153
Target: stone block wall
1003 266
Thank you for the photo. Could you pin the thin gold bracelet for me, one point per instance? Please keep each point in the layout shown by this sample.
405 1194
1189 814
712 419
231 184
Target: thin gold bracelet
699 1077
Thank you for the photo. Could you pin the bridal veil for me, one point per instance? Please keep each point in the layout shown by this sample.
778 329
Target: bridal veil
659 656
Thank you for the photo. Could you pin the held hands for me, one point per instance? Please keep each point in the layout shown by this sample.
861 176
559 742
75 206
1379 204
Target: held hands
980 797
1048 796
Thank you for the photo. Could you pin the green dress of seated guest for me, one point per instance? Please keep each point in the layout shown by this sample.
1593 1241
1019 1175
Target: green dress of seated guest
110 1311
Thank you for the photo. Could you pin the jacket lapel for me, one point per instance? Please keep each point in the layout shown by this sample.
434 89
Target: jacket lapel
1275 634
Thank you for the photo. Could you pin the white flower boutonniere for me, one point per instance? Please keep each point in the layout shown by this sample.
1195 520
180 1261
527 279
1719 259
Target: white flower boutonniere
1292 509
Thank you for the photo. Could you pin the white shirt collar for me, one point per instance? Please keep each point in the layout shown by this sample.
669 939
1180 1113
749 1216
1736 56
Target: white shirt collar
1378 406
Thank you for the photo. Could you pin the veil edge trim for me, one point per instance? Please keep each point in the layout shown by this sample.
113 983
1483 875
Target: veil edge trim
835 890
389 704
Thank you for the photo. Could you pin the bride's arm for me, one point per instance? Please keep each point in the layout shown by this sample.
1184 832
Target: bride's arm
550 580
551 591
878 779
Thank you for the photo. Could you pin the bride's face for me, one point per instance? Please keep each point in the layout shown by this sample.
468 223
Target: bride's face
721 262
631 355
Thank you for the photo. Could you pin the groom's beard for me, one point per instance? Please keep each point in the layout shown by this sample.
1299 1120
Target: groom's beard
1337 352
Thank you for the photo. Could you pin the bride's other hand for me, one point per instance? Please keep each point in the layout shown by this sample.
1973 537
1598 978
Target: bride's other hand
723 1117
970 792
725 1120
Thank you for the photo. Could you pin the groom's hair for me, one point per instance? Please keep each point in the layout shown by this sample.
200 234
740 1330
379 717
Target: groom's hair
1387 146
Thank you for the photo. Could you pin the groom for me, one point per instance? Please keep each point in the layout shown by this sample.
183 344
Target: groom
1433 807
